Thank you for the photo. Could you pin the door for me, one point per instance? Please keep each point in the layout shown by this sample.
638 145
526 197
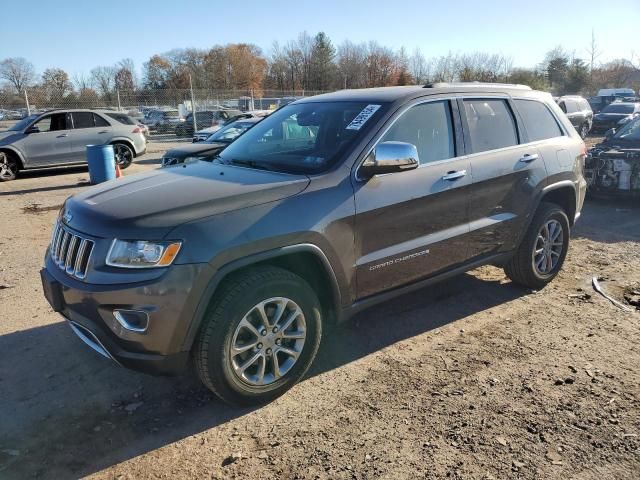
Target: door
505 170
49 142
88 129
410 225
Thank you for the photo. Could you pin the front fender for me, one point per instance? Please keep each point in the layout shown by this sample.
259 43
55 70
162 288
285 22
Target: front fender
239 263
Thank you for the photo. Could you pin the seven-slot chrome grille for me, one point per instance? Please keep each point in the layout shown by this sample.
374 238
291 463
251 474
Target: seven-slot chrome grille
70 252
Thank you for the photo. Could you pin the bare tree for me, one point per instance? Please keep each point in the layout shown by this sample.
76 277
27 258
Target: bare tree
103 79
18 71
594 52
418 67
351 62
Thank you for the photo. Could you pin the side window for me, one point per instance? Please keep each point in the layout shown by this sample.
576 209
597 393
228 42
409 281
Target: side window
491 124
44 124
538 120
99 121
429 127
52 123
82 120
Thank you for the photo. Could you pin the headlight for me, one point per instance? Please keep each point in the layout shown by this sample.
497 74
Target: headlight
142 254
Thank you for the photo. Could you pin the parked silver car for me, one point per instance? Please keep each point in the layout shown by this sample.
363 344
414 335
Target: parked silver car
59 137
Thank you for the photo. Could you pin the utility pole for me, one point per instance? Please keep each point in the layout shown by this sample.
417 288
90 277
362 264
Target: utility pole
118 95
193 106
26 99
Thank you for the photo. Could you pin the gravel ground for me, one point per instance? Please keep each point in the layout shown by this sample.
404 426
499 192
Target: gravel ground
472 378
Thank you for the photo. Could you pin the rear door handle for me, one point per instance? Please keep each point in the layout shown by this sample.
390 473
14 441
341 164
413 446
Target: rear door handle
526 158
62 135
454 175
104 131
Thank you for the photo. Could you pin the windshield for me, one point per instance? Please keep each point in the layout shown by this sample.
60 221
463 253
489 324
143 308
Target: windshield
613 108
22 124
303 138
229 133
631 131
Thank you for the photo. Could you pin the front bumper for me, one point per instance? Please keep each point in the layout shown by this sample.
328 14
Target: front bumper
170 302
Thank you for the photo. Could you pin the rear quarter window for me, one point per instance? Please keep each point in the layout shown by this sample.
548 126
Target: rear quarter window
539 122
124 119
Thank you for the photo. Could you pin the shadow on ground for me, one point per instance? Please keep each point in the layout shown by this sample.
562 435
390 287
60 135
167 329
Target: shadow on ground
73 413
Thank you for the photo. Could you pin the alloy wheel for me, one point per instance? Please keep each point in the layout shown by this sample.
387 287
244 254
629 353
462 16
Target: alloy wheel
268 341
8 167
123 154
548 247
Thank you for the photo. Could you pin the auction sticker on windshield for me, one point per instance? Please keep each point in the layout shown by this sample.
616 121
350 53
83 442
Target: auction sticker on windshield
366 113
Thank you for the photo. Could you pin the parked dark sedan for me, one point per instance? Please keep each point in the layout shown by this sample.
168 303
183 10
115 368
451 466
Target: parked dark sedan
211 147
615 115
204 119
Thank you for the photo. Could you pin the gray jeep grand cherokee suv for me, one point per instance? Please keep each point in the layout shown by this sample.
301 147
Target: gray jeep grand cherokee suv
238 263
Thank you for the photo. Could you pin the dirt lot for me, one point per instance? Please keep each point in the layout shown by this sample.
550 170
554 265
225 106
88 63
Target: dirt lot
473 378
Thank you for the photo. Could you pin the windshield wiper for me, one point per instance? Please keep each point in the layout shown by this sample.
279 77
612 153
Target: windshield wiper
248 163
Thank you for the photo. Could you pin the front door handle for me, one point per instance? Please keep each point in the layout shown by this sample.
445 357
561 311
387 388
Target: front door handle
454 175
526 158
104 131
62 135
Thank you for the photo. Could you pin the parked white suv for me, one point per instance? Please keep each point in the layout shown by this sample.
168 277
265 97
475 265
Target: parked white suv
59 138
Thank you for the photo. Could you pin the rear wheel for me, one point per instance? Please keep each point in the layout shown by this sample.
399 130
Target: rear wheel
260 336
9 166
123 154
543 249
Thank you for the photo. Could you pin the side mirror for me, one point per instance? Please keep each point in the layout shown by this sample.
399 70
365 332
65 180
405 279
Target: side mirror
390 157
609 133
32 129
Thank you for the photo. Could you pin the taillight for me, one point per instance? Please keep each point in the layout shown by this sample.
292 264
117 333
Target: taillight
583 151
137 130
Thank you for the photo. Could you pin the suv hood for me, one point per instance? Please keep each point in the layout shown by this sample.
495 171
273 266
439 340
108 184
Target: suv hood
194 148
149 205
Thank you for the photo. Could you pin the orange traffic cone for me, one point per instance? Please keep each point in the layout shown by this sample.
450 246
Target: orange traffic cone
118 172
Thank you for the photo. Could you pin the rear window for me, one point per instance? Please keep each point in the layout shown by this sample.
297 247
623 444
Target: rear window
491 124
538 120
124 119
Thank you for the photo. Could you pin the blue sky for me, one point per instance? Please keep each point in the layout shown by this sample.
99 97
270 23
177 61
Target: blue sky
78 35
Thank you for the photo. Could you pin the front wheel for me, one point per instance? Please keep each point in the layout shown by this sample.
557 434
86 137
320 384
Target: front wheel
259 337
584 130
543 249
123 154
8 167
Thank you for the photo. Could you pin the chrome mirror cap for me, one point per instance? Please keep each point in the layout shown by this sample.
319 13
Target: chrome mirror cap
389 157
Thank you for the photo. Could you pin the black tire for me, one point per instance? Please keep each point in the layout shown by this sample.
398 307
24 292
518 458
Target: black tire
584 130
521 268
124 154
238 296
9 166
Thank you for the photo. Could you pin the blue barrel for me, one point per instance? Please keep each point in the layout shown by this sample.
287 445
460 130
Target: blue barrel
102 163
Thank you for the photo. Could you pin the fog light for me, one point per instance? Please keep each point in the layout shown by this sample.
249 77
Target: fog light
133 320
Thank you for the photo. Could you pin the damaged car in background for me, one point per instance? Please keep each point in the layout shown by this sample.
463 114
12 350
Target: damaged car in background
613 166
211 147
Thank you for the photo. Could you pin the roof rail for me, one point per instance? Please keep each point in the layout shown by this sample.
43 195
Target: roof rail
477 84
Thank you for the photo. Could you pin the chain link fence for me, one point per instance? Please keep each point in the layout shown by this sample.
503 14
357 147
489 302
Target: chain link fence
15 106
